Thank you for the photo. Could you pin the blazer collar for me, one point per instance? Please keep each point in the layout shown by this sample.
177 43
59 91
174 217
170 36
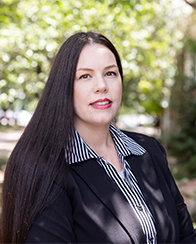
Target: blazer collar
111 196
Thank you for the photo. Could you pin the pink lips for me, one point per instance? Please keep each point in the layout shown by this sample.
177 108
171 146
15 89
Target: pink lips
102 103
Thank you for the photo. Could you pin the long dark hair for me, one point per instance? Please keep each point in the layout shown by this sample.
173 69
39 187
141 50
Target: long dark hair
37 164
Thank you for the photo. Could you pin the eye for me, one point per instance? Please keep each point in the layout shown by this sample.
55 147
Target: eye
111 73
85 76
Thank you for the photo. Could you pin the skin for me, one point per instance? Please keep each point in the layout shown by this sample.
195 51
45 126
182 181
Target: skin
97 98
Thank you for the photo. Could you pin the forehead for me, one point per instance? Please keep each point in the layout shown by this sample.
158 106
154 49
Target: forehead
94 53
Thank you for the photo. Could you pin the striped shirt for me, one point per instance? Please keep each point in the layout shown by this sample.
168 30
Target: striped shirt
125 180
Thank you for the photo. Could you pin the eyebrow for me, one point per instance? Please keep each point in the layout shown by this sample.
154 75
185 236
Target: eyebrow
107 67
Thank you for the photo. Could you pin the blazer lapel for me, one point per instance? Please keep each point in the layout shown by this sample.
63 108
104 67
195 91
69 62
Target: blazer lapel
111 196
145 174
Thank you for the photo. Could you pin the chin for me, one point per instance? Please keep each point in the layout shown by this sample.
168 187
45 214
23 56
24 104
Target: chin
102 123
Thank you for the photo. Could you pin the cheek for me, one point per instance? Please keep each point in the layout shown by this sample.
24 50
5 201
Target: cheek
77 93
76 98
80 95
119 96
118 91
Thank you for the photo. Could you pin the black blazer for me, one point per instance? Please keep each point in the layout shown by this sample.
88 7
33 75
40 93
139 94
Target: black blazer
92 209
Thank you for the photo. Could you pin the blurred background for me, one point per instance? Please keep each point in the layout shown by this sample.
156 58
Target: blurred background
157 44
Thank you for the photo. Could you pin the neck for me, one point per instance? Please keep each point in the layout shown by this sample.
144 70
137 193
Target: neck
98 138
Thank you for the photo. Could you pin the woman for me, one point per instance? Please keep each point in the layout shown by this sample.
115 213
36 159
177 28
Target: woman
117 188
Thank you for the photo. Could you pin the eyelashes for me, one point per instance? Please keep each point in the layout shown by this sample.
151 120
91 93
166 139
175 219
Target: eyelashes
87 76
111 73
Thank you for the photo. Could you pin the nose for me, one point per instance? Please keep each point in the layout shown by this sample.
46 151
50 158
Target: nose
100 85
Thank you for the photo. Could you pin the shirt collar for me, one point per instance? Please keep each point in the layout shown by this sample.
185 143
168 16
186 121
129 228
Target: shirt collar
124 145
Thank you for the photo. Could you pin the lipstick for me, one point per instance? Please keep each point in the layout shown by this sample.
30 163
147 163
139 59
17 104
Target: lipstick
102 103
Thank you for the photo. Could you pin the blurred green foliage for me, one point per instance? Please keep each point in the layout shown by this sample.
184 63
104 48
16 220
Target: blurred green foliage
145 33
182 140
3 161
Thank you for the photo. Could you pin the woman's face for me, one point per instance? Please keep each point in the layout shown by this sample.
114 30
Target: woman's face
97 87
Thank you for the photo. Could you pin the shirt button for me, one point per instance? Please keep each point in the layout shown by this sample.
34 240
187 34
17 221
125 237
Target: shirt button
151 240
139 207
